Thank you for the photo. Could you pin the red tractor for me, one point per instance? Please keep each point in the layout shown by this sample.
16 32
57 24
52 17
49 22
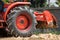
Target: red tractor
21 20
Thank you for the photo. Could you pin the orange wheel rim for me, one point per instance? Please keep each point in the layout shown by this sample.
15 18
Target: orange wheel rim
23 22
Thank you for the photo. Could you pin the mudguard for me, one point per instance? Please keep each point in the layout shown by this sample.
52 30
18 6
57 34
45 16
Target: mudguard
14 5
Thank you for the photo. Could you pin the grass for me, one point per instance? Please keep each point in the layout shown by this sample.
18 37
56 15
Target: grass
53 31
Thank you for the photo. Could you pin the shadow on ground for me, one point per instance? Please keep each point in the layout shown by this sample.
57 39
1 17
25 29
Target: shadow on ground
4 33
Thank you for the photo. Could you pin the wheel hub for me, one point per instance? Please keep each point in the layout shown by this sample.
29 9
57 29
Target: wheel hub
22 22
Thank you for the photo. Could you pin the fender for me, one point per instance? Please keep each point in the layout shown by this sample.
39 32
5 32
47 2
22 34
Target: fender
12 6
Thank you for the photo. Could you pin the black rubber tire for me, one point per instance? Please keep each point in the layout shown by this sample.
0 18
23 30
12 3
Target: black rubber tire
11 18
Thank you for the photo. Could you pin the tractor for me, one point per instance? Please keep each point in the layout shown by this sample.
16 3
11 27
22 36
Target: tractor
21 20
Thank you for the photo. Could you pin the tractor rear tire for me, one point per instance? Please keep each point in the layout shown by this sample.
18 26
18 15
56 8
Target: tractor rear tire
21 21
